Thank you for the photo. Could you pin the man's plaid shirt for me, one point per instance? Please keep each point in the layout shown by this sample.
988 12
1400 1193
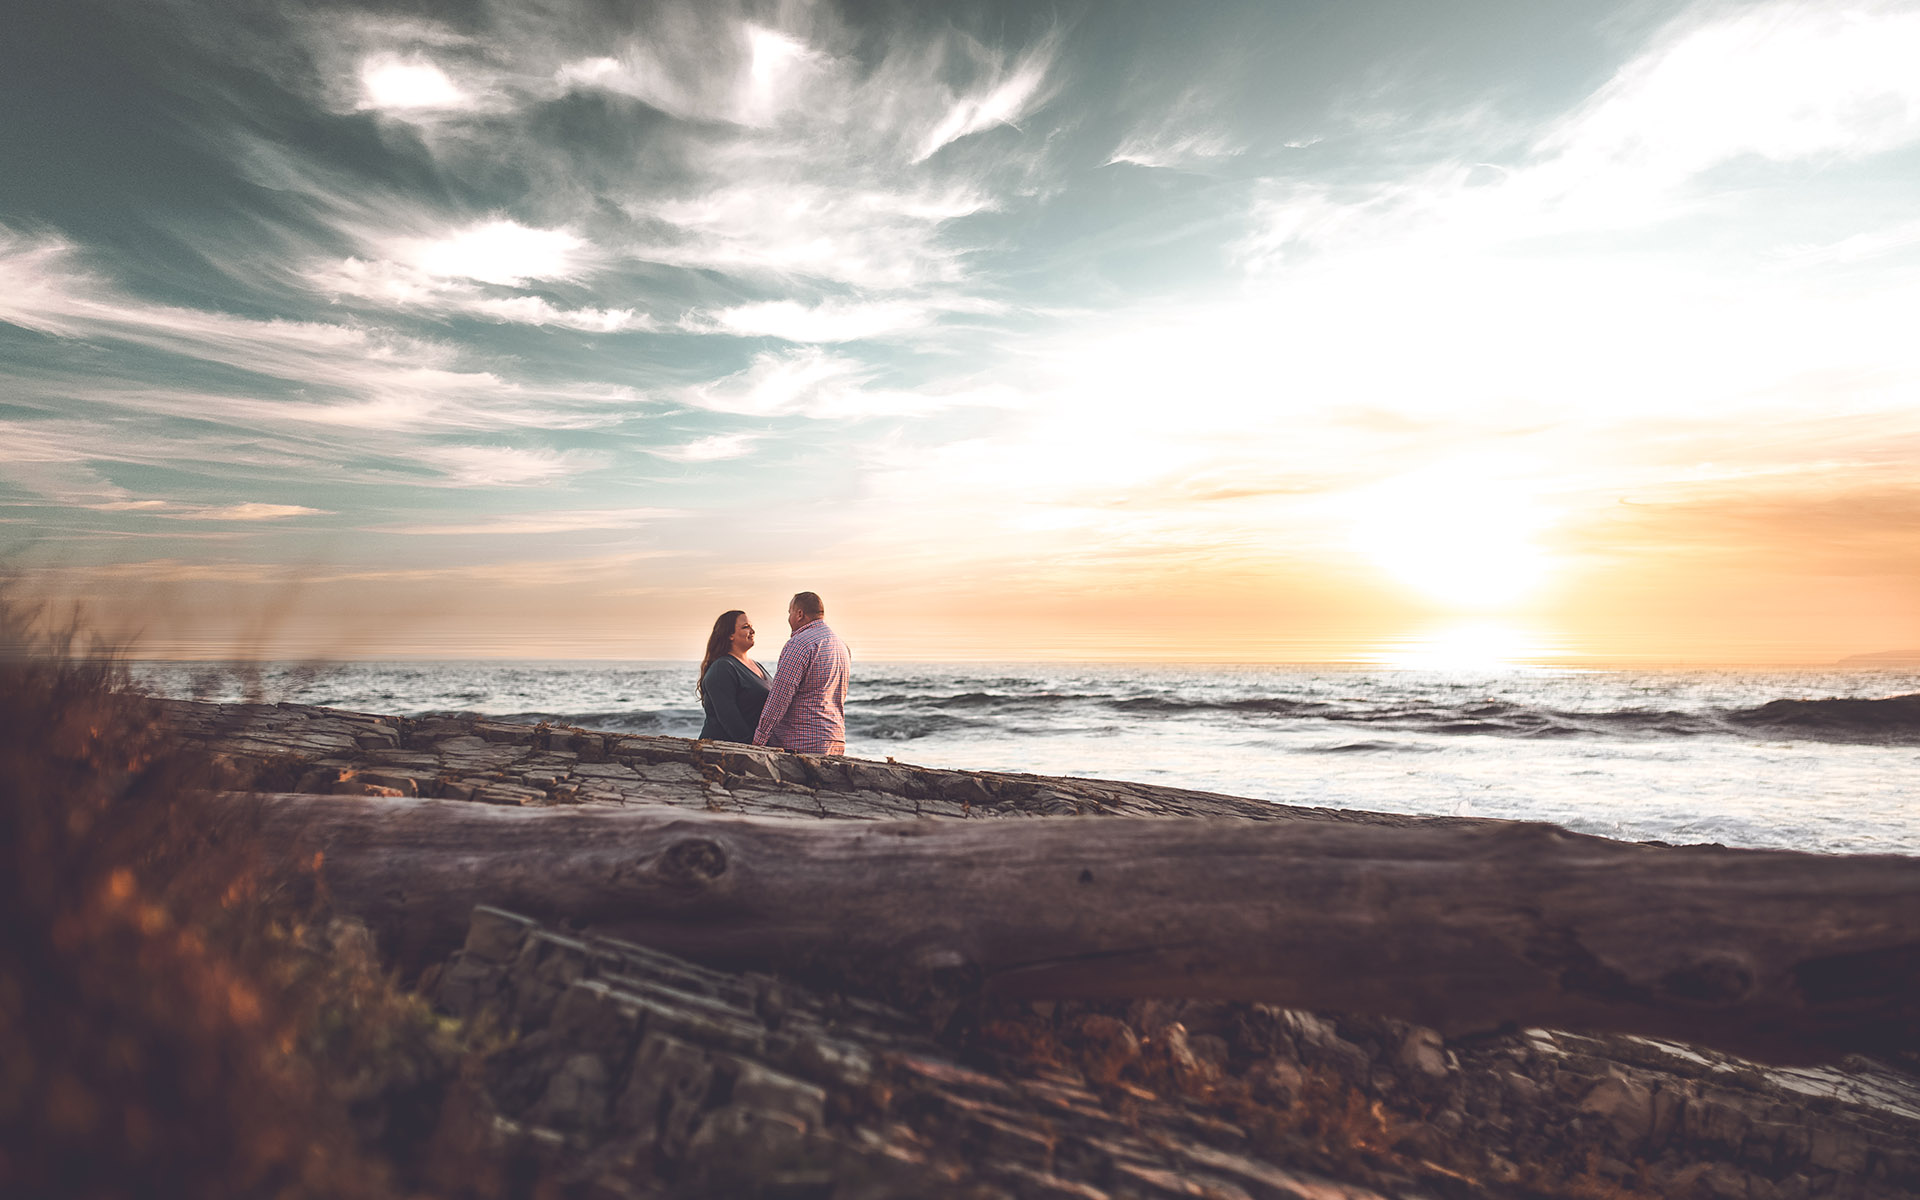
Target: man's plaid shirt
806 707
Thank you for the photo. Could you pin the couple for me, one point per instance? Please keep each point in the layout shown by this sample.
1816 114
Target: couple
803 707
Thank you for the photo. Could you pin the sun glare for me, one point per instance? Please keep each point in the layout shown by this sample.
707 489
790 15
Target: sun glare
1469 648
1455 533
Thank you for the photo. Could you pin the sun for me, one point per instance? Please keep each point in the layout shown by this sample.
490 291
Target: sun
1479 646
1457 534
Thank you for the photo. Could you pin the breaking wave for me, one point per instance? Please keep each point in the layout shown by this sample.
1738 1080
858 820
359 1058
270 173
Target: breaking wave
1890 718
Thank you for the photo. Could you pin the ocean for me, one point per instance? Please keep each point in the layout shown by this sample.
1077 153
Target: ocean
1808 760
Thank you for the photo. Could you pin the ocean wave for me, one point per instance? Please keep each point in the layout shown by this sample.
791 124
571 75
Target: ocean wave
1274 705
1032 701
902 717
967 682
1889 718
906 727
1895 718
674 722
1370 747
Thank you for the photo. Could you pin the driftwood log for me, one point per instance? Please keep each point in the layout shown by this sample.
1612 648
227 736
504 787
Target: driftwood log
1464 927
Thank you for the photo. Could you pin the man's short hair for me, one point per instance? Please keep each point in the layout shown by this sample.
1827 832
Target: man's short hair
809 604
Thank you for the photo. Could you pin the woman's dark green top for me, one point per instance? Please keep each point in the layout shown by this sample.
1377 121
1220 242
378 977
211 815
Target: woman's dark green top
733 695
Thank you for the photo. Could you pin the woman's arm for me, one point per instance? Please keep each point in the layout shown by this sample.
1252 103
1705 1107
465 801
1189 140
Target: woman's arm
723 701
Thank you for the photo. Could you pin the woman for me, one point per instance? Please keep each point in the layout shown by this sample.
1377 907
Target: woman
733 688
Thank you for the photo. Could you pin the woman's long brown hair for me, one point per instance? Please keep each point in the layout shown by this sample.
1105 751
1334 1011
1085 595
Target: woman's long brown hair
719 645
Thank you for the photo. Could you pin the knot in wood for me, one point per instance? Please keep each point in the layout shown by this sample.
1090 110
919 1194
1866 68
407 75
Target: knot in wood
694 861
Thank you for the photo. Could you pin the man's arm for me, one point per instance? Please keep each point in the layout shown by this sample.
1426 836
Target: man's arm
786 681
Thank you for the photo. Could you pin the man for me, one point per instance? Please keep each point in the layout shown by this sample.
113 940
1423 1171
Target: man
806 707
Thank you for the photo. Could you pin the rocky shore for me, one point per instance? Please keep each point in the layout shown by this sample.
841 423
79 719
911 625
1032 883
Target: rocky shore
620 1071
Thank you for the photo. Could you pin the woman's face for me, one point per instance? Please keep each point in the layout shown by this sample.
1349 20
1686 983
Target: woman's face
742 634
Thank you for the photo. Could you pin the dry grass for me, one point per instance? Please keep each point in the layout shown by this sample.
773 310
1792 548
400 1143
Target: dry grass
170 1023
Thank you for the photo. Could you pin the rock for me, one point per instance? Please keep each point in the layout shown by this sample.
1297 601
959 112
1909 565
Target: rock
639 1067
1192 1073
575 1099
495 935
521 735
1276 1081
1626 1107
361 787
1109 1046
1423 1052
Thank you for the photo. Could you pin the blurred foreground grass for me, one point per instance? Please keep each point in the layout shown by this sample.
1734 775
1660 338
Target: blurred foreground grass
171 1022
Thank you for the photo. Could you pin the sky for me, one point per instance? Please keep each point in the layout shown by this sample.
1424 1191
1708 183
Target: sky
1566 331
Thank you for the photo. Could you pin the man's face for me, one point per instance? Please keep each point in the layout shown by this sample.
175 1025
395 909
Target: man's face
794 619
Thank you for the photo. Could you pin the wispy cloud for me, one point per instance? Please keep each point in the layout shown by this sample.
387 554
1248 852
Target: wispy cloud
814 383
1785 82
1173 151
387 284
373 377
529 279
799 150
570 521
1006 96
1183 136
718 448
1866 247
509 466
480 270
247 511
826 322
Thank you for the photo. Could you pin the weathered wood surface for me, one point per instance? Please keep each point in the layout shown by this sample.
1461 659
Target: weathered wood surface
1460 926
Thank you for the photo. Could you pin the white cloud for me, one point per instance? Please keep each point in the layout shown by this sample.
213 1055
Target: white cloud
803 381
1178 138
1859 248
351 376
811 382
419 72
35 275
534 310
774 61
1783 81
391 284
1001 102
717 448
1175 151
248 511
873 237
509 466
832 321
1787 82
814 157
389 81
498 251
